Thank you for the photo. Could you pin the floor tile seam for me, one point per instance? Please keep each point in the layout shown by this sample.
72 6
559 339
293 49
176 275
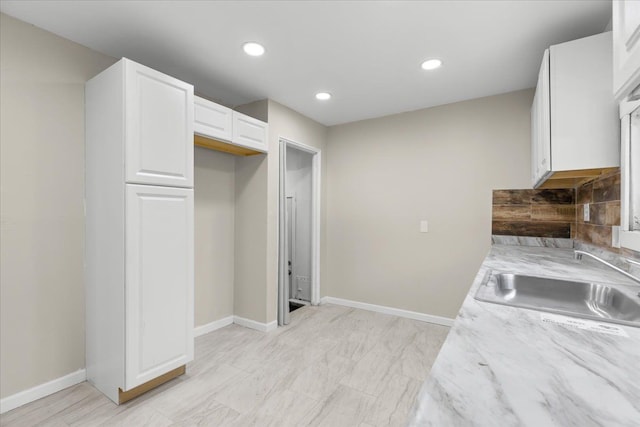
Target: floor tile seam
352 388
37 407
201 398
176 421
53 403
78 403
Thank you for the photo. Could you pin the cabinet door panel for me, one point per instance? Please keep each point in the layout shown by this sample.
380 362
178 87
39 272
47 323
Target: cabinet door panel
212 120
584 120
159 130
541 119
535 135
626 47
249 132
159 281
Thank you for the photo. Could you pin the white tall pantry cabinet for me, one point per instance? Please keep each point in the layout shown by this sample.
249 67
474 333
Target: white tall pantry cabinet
139 229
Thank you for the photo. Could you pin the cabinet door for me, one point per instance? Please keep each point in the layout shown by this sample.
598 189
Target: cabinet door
212 120
535 135
584 119
541 145
159 281
626 47
630 176
159 128
249 132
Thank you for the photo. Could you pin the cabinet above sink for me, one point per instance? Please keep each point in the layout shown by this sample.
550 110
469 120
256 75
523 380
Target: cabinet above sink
574 116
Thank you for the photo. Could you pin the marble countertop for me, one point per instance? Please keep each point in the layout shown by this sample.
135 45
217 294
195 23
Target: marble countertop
503 366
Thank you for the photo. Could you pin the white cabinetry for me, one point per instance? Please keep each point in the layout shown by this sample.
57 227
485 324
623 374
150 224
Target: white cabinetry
626 47
249 132
626 71
575 131
139 229
540 125
630 175
159 278
159 112
212 120
223 129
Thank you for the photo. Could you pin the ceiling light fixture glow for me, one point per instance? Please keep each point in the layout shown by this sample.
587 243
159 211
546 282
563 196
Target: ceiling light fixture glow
323 96
253 49
431 64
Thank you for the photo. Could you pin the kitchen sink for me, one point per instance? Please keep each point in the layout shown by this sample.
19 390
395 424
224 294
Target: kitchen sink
604 302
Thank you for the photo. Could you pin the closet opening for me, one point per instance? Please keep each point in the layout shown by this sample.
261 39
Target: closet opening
299 228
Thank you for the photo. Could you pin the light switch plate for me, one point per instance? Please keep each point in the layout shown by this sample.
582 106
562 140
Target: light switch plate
424 226
586 212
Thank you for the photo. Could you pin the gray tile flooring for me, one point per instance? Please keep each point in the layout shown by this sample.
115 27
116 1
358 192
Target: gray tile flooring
332 366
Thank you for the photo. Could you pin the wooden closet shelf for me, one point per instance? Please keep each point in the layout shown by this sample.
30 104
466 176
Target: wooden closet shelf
225 147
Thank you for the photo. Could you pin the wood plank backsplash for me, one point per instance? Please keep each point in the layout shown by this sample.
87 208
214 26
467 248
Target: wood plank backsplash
603 197
534 213
560 213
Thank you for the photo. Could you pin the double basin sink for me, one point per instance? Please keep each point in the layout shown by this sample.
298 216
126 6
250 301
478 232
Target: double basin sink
596 301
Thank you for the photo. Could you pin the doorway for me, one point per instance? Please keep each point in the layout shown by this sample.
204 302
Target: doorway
299 228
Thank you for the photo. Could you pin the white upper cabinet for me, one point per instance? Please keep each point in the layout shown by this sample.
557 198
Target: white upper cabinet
226 130
212 120
540 123
159 281
575 128
626 69
249 132
626 47
159 128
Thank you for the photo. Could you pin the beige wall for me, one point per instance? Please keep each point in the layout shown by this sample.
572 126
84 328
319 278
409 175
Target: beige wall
440 164
249 290
42 234
42 178
214 234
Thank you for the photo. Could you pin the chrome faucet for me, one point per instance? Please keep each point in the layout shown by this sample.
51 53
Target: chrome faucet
578 255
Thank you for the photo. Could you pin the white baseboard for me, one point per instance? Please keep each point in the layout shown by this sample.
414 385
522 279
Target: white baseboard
438 320
42 390
226 321
210 327
53 386
248 323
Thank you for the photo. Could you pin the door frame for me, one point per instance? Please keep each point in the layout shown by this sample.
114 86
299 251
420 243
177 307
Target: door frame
316 176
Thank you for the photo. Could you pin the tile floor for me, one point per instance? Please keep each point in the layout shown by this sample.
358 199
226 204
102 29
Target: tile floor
332 366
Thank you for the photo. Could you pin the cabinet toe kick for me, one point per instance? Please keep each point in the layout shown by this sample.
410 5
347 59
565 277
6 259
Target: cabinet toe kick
125 396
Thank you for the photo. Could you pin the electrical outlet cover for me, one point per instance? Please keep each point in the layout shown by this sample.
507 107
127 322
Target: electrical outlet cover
615 236
586 216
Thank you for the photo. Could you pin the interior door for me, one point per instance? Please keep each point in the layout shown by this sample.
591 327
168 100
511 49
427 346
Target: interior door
159 281
283 255
159 128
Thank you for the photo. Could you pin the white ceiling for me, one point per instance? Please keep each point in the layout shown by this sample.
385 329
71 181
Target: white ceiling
367 54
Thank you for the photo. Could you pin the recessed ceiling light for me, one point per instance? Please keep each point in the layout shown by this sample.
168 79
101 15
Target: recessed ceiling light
253 49
323 96
431 64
